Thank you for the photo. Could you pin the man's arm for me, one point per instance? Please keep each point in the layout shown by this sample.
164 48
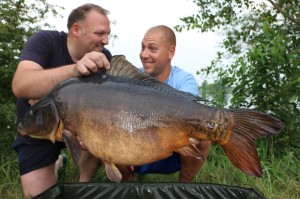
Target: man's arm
31 81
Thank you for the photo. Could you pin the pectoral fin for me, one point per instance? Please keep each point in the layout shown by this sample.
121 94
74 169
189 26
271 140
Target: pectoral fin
112 172
73 146
190 151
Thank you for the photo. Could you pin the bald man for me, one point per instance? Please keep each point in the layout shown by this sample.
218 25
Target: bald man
158 50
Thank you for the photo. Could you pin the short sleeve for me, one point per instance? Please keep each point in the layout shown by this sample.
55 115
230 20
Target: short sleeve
37 49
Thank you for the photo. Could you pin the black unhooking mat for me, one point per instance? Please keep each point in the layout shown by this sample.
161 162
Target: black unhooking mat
136 190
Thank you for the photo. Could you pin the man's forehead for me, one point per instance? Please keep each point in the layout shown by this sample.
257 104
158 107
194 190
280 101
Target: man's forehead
95 17
153 38
96 22
91 14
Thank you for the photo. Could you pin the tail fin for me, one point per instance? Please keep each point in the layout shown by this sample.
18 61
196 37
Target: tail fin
249 126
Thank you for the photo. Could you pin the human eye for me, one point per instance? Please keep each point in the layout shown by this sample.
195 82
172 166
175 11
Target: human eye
99 33
153 48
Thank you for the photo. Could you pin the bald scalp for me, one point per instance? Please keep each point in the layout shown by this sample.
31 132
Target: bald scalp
166 32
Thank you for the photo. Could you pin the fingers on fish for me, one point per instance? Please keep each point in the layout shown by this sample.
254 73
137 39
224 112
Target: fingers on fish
112 172
249 126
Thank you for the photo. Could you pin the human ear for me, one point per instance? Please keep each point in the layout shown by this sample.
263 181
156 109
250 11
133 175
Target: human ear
75 29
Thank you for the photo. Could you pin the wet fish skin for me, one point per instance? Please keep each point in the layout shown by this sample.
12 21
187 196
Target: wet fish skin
126 117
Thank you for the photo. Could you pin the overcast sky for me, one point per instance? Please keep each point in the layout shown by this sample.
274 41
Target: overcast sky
134 17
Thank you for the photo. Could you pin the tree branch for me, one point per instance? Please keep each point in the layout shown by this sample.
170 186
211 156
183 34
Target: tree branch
279 9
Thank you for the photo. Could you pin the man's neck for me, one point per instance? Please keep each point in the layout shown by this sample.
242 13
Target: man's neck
162 77
71 49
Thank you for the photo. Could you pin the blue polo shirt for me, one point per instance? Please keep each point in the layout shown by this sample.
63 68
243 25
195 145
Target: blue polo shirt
183 81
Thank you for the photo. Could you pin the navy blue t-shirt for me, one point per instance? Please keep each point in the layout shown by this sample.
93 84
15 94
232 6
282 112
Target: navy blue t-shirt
48 49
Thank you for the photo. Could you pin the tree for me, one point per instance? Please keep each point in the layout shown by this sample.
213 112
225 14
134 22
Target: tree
18 20
262 41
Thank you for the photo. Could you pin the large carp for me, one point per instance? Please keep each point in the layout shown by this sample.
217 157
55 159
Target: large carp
128 118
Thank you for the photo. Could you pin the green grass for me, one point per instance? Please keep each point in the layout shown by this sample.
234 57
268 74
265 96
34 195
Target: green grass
281 176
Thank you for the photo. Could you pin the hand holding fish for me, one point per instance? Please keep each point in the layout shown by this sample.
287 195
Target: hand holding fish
91 63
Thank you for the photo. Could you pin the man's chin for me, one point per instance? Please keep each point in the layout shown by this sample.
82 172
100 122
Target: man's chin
147 70
148 66
151 73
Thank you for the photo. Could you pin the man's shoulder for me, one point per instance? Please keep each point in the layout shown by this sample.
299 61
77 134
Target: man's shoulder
182 80
50 34
44 47
180 73
45 39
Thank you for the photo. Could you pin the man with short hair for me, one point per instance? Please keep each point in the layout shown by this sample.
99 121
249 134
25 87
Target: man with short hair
48 58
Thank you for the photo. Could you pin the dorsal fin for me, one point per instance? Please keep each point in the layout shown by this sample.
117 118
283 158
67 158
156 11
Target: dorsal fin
121 67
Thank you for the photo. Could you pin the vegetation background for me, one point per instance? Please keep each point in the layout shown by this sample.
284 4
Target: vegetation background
258 68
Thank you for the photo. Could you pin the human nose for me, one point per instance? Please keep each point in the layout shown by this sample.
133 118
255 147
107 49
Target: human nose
105 39
144 54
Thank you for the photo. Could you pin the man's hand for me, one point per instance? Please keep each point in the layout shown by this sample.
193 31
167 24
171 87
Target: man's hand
91 63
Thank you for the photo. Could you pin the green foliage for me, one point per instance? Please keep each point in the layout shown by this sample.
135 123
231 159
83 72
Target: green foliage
9 168
262 43
215 93
19 20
